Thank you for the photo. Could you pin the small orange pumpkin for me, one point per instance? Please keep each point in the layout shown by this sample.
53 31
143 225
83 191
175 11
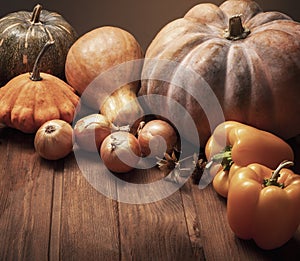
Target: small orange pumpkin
29 100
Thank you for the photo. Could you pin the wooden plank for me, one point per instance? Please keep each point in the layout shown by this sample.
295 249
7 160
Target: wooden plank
26 196
48 210
54 242
89 220
192 220
154 231
218 240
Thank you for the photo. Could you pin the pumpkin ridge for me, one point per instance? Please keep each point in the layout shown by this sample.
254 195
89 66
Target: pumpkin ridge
53 14
249 9
190 44
234 88
43 101
260 60
209 29
70 94
169 30
293 42
64 93
65 110
259 76
6 94
22 111
10 27
5 18
7 102
65 29
289 63
193 29
264 29
205 13
48 33
56 103
26 38
40 101
265 18
220 42
67 106
215 47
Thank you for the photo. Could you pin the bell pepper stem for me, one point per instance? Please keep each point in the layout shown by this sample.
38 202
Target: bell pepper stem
284 164
224 158
273 181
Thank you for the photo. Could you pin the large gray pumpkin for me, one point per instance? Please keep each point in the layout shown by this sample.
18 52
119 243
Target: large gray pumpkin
249 58
22 36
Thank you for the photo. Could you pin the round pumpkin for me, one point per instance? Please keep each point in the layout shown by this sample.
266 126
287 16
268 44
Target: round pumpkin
29 100
108 61
98 51
23 34
248 58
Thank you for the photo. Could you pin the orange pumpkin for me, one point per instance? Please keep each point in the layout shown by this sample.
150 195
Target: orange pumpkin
100 51
249 58
27 101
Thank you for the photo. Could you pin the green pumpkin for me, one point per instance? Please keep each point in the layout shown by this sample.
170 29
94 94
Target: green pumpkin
23 34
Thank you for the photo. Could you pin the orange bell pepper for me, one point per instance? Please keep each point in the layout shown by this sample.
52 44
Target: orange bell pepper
243 145
263 206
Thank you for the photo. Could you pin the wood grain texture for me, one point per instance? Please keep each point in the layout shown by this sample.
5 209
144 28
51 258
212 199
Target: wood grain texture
54 210
220 243
26 199
155 231
89 220
192 221
54 246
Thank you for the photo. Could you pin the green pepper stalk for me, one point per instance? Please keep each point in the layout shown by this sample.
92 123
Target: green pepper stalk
273 181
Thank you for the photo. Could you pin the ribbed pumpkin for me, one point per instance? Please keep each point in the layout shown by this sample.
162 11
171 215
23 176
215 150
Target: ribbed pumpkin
23 34
249 58
29 100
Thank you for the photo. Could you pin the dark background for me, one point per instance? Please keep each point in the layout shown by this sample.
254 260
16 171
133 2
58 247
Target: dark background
142 18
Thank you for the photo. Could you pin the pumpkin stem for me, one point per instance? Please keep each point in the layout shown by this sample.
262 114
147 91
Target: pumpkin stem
35 75
35 18
236 31
273 181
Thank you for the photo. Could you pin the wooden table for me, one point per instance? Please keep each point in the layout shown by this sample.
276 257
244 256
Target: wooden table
48 211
